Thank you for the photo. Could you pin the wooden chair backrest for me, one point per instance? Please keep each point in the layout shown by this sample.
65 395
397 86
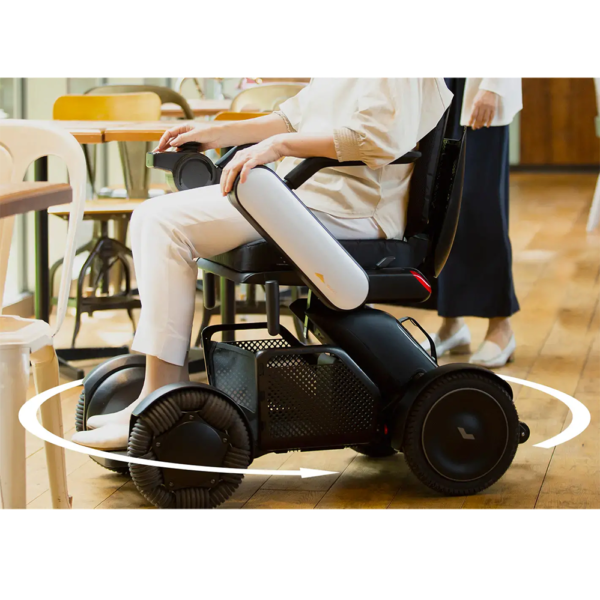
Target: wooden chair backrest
142 106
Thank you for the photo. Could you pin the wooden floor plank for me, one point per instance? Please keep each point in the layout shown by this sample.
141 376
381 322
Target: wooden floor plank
573 478
284 499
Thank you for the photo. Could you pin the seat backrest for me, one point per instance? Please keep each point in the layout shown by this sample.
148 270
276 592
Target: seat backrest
422 181
143 106
266 97
25 142
445 206
435 196
166 95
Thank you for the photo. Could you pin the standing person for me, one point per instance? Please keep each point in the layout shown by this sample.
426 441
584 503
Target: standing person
477 279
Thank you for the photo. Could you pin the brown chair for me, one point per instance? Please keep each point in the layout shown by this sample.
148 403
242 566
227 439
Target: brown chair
166 95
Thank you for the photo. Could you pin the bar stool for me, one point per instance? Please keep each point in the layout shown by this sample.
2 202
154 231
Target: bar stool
25 340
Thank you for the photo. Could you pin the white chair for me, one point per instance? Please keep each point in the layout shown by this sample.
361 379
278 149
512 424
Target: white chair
25 340
266 97
594 217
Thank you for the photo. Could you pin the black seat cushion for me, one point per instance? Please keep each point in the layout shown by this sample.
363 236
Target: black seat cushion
261 256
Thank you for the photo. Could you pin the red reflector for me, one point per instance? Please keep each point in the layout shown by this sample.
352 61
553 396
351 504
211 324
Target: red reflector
422 281
385 430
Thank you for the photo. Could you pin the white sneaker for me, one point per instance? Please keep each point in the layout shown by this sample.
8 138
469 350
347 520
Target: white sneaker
119 418
459 343
490 355
109 437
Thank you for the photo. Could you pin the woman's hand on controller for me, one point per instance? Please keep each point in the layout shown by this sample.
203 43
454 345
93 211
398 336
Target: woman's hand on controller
176 136
484 110
267 151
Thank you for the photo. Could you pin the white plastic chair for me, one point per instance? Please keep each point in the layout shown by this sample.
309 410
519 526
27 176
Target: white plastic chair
594 217
26 340
266 97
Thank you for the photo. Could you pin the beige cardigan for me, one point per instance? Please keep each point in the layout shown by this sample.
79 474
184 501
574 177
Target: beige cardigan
372 120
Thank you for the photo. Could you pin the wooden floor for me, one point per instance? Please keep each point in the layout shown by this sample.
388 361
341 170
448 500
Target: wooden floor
557 273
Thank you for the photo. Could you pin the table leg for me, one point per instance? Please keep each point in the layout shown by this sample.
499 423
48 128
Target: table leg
42 267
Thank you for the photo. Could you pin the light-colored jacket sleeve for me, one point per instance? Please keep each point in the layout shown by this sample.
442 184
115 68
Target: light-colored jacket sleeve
392 116
510 98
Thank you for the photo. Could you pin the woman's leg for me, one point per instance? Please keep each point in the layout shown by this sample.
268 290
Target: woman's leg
168 234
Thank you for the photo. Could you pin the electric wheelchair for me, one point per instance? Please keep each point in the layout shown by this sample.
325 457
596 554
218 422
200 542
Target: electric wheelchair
368 384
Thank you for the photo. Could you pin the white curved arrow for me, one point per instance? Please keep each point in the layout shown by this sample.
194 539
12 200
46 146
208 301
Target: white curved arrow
28 418
581 415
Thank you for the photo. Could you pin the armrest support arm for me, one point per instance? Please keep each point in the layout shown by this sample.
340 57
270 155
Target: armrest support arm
307 168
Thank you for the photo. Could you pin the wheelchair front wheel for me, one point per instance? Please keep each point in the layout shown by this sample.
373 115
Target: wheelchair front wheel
192 425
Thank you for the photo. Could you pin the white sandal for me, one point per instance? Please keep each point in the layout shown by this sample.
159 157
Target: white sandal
459 343
490 355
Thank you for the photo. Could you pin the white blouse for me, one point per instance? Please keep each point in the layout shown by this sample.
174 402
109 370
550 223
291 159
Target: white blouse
510 98
372 120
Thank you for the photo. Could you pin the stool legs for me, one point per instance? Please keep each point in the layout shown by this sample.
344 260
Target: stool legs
14 378
45 374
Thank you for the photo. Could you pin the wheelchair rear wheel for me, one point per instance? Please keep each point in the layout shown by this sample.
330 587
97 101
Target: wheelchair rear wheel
462 433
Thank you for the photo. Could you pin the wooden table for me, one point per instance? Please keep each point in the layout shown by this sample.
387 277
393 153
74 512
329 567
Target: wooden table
101 210
200 107
19 198
145 131
98 132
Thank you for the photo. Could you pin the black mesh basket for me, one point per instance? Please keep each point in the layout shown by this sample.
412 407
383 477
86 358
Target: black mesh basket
306 396
233 368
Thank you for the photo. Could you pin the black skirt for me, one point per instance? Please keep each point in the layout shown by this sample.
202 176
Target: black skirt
477 280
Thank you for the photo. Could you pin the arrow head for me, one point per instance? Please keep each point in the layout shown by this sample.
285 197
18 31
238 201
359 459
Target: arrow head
306 473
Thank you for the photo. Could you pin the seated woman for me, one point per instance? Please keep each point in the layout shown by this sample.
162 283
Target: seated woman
371 120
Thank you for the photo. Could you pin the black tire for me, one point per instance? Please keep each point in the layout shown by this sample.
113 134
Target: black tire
80 412
434 449
165 416
79 419
375 450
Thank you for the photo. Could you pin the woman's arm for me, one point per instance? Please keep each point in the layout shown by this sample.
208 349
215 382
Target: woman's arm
299 145
223 135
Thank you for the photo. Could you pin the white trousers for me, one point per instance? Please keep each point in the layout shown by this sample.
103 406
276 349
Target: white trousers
168 234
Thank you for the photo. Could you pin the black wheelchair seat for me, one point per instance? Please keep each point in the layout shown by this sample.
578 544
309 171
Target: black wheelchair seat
392 267
369 254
